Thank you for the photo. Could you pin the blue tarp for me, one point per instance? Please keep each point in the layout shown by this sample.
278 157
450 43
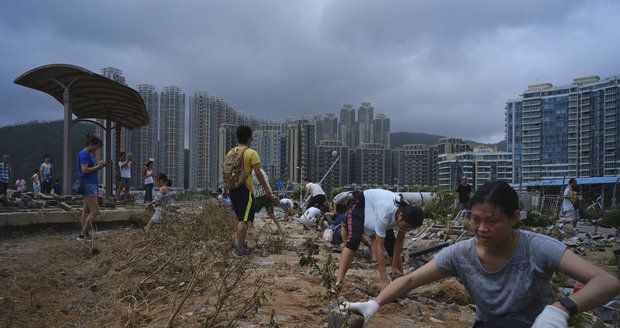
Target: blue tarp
562 182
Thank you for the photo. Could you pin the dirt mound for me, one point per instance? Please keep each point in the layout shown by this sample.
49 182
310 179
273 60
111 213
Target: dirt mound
449 291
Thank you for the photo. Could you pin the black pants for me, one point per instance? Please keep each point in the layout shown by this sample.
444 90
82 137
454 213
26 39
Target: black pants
46 186
148 193
3 187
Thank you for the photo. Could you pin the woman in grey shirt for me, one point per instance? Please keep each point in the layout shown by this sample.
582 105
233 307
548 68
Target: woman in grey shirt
506 271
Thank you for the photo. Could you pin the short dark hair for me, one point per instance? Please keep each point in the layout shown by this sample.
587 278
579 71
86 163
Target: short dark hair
219 190
92 140
572 180
244 134
498 193
307 179
46 156
164 178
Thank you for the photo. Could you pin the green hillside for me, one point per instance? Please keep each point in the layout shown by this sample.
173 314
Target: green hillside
398 139
26 143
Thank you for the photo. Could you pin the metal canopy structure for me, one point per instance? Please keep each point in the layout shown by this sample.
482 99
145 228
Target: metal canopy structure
88 95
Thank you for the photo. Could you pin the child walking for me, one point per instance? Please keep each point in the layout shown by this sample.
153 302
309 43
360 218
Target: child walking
162 199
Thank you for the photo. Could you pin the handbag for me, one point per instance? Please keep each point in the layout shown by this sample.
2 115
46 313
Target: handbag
78 187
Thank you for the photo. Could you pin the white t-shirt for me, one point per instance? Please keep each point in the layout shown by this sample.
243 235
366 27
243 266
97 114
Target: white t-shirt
46 170
20 184
315 189
567 203
149 177
308 219
35 180
379 211
285 202
258 188
125 171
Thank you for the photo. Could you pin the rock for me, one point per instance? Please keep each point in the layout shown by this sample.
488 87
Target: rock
189 314
93 288
201 307
454 307
407 323
435 320
418 311
441 316
570 243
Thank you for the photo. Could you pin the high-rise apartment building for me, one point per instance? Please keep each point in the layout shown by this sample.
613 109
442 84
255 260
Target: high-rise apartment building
269 139
514 135
479 165
113 73
365 124
382 130
568 131
144 140
171 136
339 174
226 141
327 127
301 148
370 164
200 143
347 131
445 146
412 165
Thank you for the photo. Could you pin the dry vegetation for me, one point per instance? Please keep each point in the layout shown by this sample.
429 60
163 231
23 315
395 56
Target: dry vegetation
186 267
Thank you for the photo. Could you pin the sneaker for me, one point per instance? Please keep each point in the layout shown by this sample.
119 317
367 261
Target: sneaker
336 249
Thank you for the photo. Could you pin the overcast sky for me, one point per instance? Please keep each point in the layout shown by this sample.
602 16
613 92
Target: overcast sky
441 67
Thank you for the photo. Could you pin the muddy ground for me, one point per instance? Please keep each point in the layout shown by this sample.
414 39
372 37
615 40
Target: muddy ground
48 279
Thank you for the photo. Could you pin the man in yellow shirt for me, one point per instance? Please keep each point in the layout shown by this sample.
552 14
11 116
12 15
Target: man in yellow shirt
242 197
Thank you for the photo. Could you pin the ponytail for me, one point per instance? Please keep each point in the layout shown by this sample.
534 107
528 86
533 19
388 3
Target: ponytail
401 202
411 214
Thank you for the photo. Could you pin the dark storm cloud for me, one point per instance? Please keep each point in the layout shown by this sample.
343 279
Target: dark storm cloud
442 67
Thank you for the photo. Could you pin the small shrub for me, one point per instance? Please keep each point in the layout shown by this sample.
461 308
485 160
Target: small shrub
441 208
538 219
612 218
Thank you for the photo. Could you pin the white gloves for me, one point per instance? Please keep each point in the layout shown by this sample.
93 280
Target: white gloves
367 309
551 317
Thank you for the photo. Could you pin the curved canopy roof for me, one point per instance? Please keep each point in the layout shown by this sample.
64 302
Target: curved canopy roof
92 95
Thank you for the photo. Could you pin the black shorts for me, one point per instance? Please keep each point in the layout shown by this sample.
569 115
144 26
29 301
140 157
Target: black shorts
316 201
243 203
263 201
354 223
